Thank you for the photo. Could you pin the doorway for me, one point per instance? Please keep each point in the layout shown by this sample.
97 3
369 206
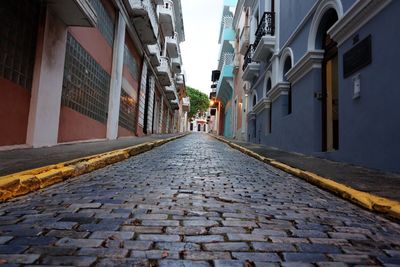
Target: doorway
330 82
330 103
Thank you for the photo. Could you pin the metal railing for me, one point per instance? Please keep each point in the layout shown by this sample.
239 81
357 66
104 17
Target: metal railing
227 22
266 26
165 65
225 59
248 56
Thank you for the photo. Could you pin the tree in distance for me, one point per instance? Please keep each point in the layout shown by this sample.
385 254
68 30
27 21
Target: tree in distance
199 101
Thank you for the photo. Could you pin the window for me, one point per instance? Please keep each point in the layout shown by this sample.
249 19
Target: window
268 86
286 67
105 23
270 119
131 63
254 100
86 85
18 34
127 112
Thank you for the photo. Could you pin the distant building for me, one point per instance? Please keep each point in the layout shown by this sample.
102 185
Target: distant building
89 69
199 123
320 78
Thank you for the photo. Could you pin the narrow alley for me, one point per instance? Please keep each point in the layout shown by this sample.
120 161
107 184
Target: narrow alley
202 204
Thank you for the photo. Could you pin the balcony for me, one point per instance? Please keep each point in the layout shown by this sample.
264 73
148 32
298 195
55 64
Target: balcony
180 79
174 104
166 17
173 46
227 32
186 104
250 68
75 12
170 92
225 82
154 54
265 40
244 40
144 19
164 72
176 65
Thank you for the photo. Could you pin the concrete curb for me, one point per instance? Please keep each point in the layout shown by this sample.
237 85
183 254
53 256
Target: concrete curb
21 183
369 201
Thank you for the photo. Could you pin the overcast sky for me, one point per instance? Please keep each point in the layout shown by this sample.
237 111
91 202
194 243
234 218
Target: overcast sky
201 20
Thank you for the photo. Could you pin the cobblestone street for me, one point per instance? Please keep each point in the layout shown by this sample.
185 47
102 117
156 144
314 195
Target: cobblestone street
192 202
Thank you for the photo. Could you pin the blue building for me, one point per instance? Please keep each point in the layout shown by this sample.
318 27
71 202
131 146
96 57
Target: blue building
223 76
321 78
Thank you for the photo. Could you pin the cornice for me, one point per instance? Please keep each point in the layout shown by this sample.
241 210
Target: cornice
311 60
279 89
356 17
251 116
264 103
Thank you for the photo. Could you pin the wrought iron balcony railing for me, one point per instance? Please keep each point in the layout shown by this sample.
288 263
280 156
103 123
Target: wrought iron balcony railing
227 21
266 26
248 56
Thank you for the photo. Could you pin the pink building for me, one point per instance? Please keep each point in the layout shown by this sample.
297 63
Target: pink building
76 70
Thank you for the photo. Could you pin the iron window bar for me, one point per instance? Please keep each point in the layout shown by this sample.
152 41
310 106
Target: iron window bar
266 26
248 56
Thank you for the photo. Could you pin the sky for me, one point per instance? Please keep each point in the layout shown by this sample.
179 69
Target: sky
201 20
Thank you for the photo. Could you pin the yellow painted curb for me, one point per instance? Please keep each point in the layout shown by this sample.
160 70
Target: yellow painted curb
21 183
366 200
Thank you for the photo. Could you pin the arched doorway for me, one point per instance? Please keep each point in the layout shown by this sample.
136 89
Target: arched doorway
330 82
198 127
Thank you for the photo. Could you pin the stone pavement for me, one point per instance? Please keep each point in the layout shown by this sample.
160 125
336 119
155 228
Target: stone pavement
192 202
17 160
376 182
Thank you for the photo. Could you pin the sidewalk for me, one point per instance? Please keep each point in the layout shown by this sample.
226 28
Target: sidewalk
371 181
13 161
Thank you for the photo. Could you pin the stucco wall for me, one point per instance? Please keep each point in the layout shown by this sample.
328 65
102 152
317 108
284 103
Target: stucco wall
228 121
370 126
292 13
74 127
14 111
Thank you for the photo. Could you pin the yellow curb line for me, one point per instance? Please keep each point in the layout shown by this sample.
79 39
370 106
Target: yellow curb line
369 201
21 183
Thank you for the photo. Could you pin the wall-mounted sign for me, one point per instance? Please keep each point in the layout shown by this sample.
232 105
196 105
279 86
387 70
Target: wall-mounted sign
358 57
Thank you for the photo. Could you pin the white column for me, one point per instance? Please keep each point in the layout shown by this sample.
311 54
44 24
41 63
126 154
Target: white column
44 112
116 79
275 71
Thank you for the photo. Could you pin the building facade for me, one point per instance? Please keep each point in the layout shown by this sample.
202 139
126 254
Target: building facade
320 77
222 77
79 70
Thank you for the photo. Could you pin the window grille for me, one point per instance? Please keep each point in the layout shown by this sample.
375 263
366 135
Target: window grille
127 112
86 85
130 61
105 24
18 34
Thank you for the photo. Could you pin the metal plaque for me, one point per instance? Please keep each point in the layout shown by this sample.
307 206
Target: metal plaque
358 57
